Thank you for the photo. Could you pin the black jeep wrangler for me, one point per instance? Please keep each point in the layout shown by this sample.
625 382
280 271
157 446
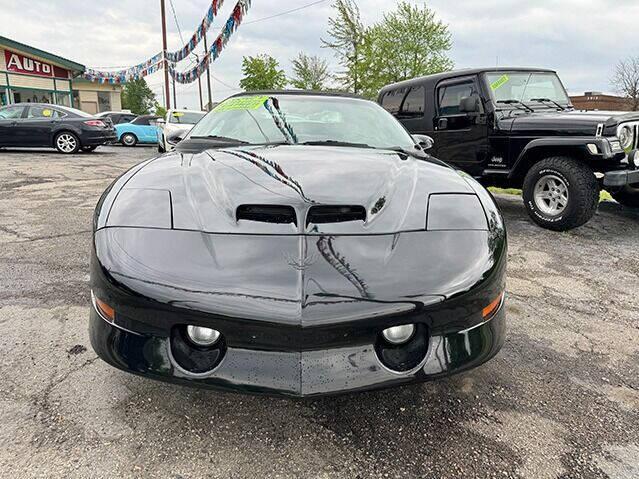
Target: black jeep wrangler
516 127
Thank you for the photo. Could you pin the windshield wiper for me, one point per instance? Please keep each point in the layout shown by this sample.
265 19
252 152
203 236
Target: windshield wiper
518 104
224 139
335 143
418 153
548 100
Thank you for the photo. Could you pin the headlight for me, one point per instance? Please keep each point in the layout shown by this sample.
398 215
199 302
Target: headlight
626 137
455 212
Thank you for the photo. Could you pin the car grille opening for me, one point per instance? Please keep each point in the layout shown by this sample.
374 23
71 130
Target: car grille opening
281 214
335 214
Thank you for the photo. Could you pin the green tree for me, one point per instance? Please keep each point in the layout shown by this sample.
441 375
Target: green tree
138 97
262 72
311 72
346 32
160 110
408 42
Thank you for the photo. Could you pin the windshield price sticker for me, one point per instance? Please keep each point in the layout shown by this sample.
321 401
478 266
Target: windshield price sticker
178 114
242 103
499 83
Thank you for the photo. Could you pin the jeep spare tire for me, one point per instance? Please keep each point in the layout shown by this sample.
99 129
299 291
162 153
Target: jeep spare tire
560 193
628 195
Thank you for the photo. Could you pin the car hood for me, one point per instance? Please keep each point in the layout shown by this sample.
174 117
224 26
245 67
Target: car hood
203 191
566 123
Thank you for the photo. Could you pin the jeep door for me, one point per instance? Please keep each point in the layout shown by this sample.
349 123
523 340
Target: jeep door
460 138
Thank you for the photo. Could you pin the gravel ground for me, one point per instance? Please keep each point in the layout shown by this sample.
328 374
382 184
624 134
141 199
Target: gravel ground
560 401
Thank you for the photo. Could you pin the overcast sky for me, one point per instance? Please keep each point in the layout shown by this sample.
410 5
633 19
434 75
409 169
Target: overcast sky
582 39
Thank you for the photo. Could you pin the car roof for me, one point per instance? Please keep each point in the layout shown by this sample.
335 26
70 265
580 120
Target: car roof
338 94
181 110
437 77
66 109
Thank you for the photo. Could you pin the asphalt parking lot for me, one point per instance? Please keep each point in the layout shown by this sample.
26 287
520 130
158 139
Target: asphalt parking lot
560 401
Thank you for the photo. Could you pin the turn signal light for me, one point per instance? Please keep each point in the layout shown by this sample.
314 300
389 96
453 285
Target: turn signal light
489 311
106 311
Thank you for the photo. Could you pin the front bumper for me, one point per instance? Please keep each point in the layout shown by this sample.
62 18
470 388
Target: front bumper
298 373
621 178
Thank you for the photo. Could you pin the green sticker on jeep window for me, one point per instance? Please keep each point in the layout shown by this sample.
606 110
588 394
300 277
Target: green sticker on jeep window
242 103
500 82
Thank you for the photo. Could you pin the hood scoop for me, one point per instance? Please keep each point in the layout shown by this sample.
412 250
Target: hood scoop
280 214
324 214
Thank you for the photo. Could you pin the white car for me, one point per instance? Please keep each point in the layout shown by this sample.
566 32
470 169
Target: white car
176 121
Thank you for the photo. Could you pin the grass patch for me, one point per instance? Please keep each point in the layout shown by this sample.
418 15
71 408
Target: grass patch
603 196
505 191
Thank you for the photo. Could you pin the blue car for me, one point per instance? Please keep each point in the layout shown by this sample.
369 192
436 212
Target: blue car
143 129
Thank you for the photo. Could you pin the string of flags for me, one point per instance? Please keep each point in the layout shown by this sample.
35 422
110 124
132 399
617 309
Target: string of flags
231 25
156 63
197 37
122 76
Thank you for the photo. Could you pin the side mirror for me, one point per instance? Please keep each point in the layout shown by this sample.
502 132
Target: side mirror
425 141
470 105
176 137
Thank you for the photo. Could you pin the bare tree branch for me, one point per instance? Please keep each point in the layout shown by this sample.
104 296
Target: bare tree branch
626 80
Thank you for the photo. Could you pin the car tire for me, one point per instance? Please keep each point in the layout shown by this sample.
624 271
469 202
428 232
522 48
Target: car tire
129 139
89 149
628 195
67 143
560 193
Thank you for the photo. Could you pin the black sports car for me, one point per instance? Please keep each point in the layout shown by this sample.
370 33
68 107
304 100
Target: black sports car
42 125
297 244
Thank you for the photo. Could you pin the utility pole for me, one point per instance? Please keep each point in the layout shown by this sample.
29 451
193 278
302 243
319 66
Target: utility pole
199 81
167 95
208 71
174 96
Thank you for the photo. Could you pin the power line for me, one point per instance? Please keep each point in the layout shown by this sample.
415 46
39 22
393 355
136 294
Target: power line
285 12
177 24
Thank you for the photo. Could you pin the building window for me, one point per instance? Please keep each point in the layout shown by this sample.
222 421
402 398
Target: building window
104 101
62 98
76 99
4 97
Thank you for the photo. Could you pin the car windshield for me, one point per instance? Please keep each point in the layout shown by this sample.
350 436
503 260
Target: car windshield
301 119
534 88
185 117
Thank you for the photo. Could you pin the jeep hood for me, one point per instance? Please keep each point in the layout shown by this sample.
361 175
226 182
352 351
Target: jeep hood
566 123
203 191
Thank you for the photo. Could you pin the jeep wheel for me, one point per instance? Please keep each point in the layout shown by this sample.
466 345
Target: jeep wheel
628 196
560 193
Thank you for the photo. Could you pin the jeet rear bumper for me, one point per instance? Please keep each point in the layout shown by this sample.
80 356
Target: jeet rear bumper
298 373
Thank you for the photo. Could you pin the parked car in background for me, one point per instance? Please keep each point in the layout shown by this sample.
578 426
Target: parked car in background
143 129
118 117
516 127
176 122
42 125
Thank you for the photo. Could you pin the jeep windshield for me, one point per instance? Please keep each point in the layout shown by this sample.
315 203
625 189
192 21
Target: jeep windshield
527 90
302 119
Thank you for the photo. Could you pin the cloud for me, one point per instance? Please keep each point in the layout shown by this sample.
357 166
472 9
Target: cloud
581 39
